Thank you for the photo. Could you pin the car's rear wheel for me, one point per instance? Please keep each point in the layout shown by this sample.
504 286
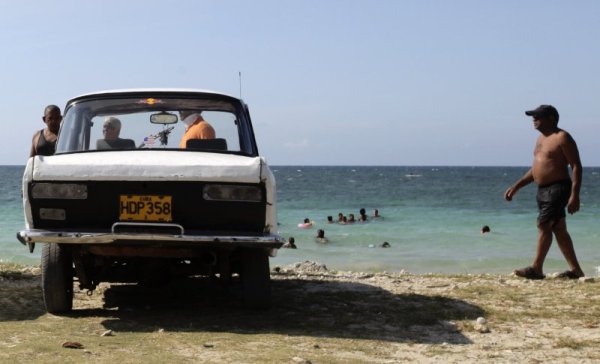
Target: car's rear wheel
57 278
256 278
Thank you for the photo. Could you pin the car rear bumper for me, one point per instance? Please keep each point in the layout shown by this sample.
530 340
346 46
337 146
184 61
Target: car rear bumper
81 237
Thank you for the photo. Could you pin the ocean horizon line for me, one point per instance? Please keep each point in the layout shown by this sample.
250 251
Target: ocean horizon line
378 165
397 165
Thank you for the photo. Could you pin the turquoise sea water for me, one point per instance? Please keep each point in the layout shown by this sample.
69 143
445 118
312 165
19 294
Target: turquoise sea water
432 218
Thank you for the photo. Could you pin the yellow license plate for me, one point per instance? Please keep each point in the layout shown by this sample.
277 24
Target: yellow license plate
145 208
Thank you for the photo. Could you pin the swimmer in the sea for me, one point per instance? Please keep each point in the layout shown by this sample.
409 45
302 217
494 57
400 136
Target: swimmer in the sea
351 219
290 243
362 215
376 214
306 224
321 239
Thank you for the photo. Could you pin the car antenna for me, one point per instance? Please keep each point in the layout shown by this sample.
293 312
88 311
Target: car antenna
240 78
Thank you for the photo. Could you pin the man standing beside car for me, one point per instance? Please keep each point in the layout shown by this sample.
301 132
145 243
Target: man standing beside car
44 141
196 127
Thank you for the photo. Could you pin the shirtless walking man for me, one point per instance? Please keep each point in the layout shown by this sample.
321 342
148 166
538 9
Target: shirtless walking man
555 151
44 141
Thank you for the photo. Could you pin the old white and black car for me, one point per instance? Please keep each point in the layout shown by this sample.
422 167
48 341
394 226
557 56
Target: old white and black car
143 207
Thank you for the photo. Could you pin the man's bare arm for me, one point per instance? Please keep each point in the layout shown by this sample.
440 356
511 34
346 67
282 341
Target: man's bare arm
522 182
34 142
571 153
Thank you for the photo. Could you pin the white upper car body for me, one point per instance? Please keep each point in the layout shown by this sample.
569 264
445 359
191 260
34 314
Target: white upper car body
106 177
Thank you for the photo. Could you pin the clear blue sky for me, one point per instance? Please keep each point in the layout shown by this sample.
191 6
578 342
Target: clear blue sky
328 82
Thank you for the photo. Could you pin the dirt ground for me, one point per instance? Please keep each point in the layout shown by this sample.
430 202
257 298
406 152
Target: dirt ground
318 316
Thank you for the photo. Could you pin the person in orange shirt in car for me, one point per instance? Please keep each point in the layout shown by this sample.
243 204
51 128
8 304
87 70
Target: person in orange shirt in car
196 127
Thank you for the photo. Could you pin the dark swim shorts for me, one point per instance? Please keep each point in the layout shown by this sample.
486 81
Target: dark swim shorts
552 200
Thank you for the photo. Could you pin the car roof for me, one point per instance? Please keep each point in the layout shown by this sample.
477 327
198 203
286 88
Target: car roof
150 90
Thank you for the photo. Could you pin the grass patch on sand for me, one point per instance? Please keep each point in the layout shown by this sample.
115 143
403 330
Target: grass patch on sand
564 299
329 318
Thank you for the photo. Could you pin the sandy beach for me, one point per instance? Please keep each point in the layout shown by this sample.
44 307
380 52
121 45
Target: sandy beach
318 316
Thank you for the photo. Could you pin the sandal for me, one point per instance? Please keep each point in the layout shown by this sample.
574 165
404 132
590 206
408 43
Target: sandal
568 274
529 273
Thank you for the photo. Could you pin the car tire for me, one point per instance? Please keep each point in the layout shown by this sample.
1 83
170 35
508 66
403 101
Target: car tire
57 278
256 279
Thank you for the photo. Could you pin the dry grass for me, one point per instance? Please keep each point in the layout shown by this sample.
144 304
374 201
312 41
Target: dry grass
325 318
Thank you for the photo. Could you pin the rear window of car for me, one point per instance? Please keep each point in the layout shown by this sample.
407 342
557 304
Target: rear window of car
154 123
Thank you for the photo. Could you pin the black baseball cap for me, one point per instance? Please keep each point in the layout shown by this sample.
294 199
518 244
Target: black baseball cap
543 110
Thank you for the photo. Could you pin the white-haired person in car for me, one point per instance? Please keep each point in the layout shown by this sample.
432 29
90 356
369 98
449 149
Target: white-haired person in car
111 130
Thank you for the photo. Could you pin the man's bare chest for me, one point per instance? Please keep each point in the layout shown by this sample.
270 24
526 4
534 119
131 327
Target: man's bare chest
548 148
